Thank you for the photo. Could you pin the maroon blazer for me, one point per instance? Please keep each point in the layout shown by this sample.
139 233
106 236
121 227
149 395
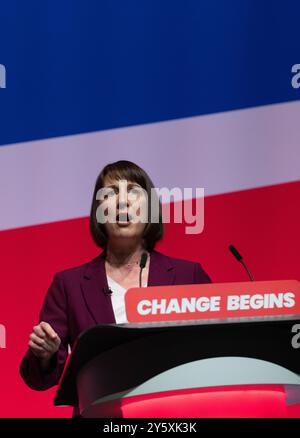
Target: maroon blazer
76 300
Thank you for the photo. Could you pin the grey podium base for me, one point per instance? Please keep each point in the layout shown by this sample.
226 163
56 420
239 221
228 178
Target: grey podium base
204 373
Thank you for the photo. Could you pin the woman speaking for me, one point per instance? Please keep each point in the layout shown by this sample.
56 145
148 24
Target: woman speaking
93 293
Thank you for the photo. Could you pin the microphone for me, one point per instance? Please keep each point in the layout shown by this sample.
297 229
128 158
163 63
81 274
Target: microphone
239 258
107 291
143 262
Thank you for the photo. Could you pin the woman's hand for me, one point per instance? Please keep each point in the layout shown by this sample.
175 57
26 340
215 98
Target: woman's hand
44 342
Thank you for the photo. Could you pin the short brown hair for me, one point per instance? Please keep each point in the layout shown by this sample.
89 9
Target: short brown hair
129 171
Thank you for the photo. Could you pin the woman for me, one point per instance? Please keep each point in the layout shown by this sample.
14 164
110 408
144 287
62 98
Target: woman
81 297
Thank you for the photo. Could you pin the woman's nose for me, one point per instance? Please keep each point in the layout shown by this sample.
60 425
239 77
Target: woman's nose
122 204
122 201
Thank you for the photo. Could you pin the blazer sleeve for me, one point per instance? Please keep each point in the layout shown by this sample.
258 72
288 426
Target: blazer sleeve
200 276
54 311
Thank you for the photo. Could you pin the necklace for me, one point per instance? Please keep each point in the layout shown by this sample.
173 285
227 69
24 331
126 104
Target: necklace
121 263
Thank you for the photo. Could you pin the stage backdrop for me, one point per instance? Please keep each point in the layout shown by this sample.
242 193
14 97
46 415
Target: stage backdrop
199 93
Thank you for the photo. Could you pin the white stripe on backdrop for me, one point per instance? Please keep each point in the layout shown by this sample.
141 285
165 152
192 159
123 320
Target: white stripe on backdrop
51 180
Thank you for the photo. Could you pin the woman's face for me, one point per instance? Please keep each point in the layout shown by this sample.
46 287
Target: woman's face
124 207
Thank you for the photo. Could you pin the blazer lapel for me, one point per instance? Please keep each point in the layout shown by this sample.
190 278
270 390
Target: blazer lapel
94 288
161 270
94 284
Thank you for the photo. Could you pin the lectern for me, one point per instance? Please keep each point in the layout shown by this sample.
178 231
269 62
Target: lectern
168 364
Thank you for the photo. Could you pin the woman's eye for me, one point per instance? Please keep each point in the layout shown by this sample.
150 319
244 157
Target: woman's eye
134 191
110 193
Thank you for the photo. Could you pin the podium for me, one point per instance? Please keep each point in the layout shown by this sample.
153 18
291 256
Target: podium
177 368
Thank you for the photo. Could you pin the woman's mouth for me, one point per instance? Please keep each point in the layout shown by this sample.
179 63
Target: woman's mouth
123 219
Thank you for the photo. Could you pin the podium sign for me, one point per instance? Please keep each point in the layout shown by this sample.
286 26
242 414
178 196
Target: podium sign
218 300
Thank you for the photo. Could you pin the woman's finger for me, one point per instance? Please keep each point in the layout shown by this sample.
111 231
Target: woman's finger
37 351
41 343
48 330
39 331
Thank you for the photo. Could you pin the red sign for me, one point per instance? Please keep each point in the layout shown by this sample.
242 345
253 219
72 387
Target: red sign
218 300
